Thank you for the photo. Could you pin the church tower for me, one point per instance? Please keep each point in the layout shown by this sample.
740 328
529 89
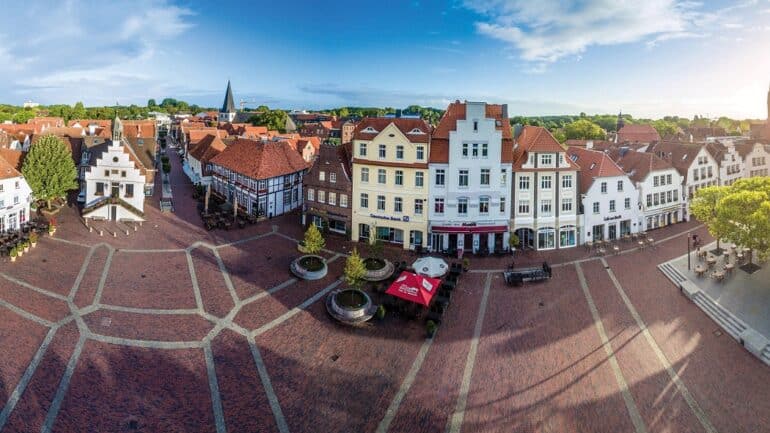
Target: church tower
117 131
227 113
621 122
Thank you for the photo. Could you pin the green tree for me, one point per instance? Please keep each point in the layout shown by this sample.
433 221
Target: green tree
584 129
78 111
354 270
314 240
665 128
151 103
23 116
746 208
49 169
273 120
704 205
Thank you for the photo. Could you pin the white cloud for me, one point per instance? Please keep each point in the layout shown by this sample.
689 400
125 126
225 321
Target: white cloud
547 30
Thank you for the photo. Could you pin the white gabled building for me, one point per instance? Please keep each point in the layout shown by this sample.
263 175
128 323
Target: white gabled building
545 191
729 163
115 180
609 199
15 193
470 169
658 183
756 158
695 164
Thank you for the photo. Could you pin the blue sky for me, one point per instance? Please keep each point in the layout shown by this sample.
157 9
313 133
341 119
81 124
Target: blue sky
541 57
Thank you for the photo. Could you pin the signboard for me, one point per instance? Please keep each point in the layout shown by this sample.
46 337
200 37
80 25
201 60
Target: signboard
404 218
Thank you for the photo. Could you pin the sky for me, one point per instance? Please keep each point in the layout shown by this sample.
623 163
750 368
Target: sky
647 58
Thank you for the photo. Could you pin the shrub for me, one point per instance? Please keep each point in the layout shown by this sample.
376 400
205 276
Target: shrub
380 312
431 327
51 228
466 263
354 270
164 159
166 168
33 237
14 252
314 240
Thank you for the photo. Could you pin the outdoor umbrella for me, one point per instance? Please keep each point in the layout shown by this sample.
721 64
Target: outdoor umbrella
430 266
415 288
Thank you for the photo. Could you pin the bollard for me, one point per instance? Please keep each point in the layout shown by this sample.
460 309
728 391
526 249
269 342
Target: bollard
101 232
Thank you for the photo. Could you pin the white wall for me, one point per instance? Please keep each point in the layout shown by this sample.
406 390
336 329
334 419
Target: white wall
13 201
605 216
647 187
115 159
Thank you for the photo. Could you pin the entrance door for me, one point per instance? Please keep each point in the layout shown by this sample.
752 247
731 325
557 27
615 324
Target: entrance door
613 231
598 232
114 213
468 246
669 219
115 190
436 239
452 242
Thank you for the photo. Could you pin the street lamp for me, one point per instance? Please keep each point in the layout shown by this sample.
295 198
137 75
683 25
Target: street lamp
689 235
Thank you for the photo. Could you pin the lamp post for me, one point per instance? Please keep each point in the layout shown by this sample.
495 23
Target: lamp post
689 235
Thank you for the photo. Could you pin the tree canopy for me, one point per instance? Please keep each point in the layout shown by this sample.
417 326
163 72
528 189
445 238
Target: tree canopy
354 269
272 119
314 240
584 129
49 169
704 205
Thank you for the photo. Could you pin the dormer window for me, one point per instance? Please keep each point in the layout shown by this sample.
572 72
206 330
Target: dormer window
416 131
475 126
369 130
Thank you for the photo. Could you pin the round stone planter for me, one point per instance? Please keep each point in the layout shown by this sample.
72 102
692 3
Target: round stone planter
304 267
374 273
350 306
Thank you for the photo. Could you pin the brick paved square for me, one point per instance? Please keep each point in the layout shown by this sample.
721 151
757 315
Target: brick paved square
89 285
34 302
211 283
51 265
154 327
25 337
149 280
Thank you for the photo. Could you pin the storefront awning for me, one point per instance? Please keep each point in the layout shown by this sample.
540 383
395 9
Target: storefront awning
469 229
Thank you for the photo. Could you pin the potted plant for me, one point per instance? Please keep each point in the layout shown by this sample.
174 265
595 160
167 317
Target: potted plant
19 249
14 252
513 242
380 312
466 264
431 328
51 229
25 245
33 239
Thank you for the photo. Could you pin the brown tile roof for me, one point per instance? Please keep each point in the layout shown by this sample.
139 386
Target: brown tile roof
86 122
139 128
536 139
595 144
403 124
679 154
593 164
746 147
439 144
7 169
197 135
638 133
208 147
637 165
15 158
260 160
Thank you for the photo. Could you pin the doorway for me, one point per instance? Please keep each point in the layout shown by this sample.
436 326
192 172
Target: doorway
613 231
113 213
115 190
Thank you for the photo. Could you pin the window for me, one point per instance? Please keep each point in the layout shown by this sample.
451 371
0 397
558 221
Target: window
545 207
122 174
310 194
668 197
612 205
502 204
668 179
462 206
710 173
419 179
596 207
381 178
566 205
440 177
465 150
484 205
503 177
546 159
523 206
620 186
462 180
321 196
399 152
627 203
321 175
365 201
2 204
438 206
398 204
475 126
343 200
566 181
604 187
524 183
485 177
676 195
655 181
16 199
106 173
418 206
656 199
364 175
333 177
380 202
695 174
545 182
484 150
399 177
99 188
475 152
1 187
332 198
362 149
382 151
420 153
649 200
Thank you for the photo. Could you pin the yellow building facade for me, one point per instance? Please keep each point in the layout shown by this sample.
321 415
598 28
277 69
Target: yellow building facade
390 181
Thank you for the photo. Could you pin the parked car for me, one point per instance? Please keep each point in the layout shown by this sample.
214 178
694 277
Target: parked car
82 197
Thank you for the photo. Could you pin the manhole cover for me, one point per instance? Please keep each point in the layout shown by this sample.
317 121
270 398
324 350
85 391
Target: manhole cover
718 333
542 304
106 322
143 275
335 357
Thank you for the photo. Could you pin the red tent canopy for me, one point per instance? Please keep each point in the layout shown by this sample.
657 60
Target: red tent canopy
415 288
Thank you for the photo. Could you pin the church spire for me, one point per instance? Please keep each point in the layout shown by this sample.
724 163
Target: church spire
117 130
621 122
228 106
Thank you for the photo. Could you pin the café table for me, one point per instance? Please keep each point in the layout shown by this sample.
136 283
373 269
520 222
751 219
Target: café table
700 270
711 261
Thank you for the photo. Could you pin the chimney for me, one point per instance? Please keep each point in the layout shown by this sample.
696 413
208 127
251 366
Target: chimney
589 144
505 111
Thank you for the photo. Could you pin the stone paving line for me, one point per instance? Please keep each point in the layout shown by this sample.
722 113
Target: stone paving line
453 426
633 410
691 402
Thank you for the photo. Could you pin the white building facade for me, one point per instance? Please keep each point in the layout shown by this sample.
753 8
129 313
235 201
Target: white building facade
470 174
545 192
756 159
15 197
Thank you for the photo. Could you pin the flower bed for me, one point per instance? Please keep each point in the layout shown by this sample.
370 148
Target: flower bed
377 269
350 306
309 267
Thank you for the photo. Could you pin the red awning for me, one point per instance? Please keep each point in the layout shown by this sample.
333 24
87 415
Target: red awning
415 288
469 229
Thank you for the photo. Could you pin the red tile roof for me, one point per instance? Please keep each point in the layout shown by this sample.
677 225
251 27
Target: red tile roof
638 133
536 139
197 135
406 126
139 128
85 122
260 160
207 148
679 154
637 165
10 163
439 145
593 164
